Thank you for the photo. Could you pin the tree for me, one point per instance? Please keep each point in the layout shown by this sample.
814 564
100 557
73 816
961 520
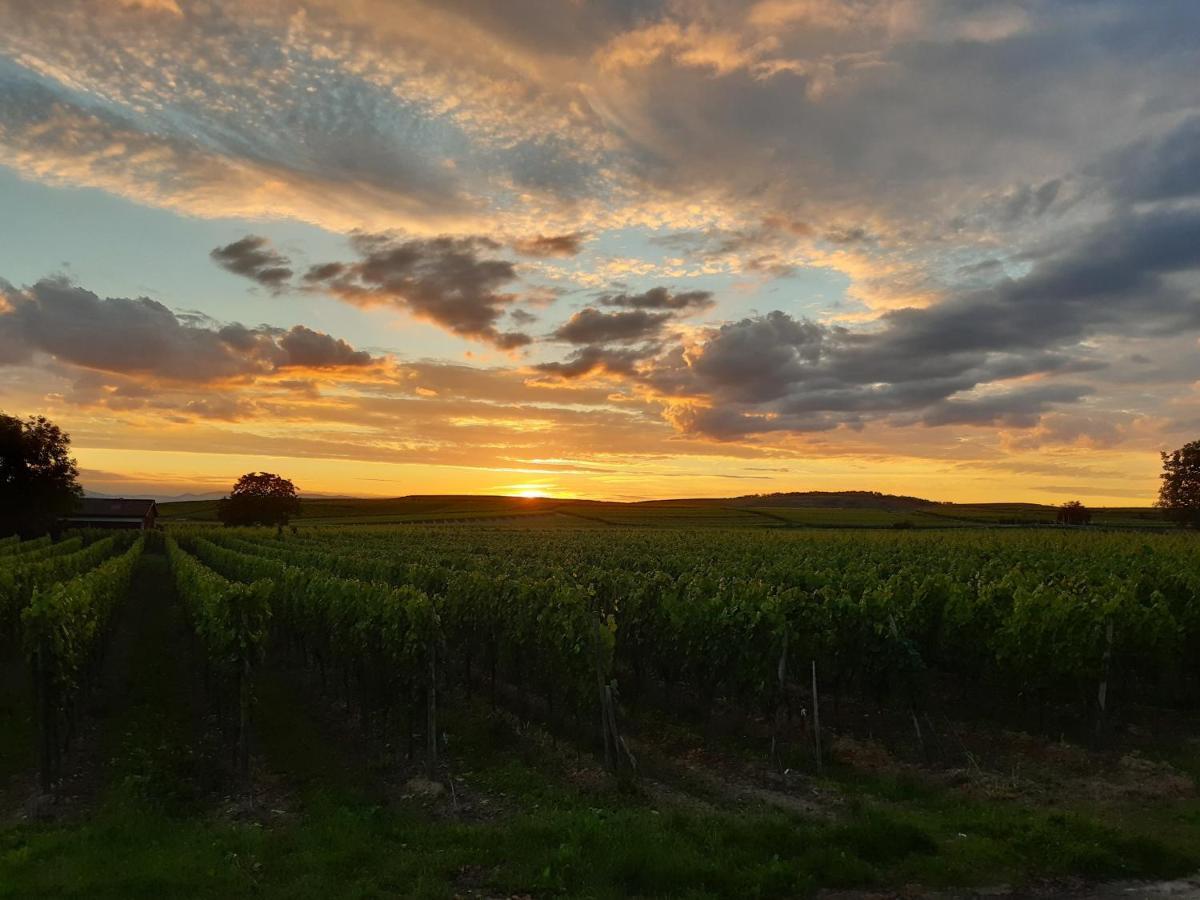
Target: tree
259 498
1179 494
1074 513
37 476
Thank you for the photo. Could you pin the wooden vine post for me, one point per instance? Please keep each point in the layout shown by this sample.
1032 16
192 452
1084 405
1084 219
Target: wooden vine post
780 706
603 695
431 748
816 717
46 719
243 723
1102 690
616 751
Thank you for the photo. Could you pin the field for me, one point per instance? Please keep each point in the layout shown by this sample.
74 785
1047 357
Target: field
778 511
597 700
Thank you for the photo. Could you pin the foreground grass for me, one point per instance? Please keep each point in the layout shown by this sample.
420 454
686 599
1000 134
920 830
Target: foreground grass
342 847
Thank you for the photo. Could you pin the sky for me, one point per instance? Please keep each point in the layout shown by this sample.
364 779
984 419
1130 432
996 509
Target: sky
621 249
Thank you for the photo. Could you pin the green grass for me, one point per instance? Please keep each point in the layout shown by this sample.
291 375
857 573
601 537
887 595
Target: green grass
570 844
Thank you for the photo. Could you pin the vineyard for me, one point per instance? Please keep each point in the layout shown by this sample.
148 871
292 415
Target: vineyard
1073 626
787 651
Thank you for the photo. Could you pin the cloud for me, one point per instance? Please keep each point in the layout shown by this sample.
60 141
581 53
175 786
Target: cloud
690 44
452 282
142 337
160 6
324 272
662 298
1117 278
1165 167
316 350
947 364
449 118
51 134
522 316
543 246
940 160
591 326
641 318
593 359
1013 409
253 258
1066 429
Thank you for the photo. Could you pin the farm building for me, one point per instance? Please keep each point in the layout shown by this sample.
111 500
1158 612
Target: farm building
104 512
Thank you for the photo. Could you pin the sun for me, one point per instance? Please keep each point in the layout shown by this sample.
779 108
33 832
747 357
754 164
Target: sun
528 490
531 490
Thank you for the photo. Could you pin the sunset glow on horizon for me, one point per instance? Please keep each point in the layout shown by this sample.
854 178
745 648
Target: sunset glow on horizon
620 250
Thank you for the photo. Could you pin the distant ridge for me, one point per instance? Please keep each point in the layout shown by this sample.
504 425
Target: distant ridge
188 498
787 509
153 495
835 500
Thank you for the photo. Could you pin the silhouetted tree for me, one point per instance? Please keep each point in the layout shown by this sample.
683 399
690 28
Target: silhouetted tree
259 498
1074 513
37 476
1179 494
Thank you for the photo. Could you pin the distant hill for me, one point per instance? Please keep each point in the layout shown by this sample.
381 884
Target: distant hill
833 500
802 500
795 509
160 498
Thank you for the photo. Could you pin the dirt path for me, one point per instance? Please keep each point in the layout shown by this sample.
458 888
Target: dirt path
143 729
154 724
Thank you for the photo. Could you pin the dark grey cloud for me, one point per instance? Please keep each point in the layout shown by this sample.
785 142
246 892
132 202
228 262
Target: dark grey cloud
324 271
1028 201
140 336
590 359
551 245
1119 278
1165 167
315 349
638 319
522 316
454 282
1012 409
758 359
1133 276
252 257
592 326
662 298
774 373
907 119
851 235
